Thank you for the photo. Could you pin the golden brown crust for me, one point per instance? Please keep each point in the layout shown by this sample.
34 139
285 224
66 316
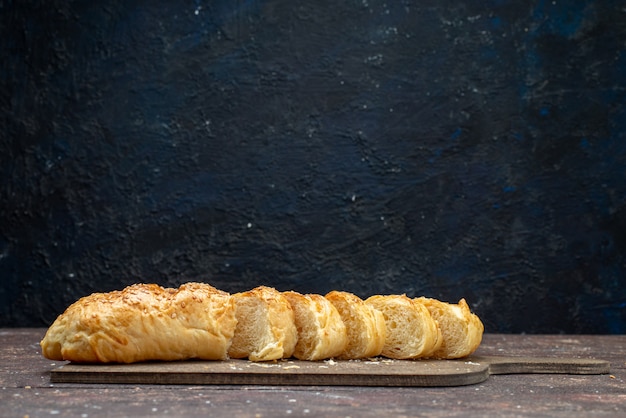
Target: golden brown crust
144 322
321 331
411 331
148 322
461 329
266 328
365 325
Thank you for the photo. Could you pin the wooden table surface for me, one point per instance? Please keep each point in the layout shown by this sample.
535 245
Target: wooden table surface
26 389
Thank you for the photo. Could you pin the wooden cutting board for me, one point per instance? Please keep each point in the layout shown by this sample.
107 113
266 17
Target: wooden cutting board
371 372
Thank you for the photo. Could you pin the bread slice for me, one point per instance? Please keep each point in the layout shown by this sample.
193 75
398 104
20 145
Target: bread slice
410 330
365 325
265 325
461 329
144 322
321 332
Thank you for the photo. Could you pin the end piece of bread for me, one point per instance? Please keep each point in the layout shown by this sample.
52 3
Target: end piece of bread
265 325
365 325
144 322
321 331
411 332
461 329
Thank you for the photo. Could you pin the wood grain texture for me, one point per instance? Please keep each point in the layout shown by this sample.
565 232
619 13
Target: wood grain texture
373 372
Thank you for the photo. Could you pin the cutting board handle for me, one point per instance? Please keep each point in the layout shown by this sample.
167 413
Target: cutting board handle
550 365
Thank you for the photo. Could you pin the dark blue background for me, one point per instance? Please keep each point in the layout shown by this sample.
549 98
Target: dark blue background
442 148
